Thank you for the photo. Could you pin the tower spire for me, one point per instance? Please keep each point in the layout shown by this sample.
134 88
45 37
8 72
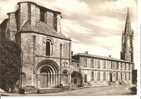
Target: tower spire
128 23
127 40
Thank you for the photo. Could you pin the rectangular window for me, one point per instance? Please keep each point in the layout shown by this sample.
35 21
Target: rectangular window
50 19
95 63
98 75
101 63
55 22
104 64
92 75
130 65
92 63
98 63
85 78
125 66
125 76
104 75
129 76
42 14
29 12
117 65
116 75
85 62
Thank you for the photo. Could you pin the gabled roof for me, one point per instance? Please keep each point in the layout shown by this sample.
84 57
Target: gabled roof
42 28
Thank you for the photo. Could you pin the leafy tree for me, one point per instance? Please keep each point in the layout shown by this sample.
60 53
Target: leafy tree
10 64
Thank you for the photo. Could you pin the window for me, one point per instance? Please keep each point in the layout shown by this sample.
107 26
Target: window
85 78
104 63
104 75
85 62
98 63
129 76
29 12
47 48
50 19
42 14
130 66
116 75
124 66
117 67
98 75
55 22
92 65
92 75
124 76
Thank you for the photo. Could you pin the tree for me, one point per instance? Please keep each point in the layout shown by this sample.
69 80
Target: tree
10 64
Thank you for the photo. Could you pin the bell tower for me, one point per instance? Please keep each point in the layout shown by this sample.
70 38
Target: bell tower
127 40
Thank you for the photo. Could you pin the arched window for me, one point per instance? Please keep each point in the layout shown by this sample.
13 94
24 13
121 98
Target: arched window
65 73
47 48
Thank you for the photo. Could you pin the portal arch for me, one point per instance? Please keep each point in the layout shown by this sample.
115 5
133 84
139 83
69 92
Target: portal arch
47 72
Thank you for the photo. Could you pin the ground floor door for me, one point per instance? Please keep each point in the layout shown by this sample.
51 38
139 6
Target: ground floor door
76 79
48 76
111 78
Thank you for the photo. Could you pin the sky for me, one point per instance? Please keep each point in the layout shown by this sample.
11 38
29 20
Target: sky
95 26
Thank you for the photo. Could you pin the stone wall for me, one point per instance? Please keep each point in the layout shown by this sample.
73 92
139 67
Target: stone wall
31 12
34 47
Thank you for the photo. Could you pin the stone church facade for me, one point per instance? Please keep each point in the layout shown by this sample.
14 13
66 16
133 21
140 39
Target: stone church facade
46 55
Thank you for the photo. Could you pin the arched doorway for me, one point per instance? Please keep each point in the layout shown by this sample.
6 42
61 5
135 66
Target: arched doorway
47 74
76 79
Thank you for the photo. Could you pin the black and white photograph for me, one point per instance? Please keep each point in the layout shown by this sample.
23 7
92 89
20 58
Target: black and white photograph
69 48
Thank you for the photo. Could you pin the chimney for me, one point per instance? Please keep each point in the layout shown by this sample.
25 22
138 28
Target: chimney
110 56
86 52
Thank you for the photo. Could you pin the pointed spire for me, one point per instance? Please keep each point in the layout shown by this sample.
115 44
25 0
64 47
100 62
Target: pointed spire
128 23
127 40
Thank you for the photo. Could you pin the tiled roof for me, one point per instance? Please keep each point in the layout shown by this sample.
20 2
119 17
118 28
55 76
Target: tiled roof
42 28
100 57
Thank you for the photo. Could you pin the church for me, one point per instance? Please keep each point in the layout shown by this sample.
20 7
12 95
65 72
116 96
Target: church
46 56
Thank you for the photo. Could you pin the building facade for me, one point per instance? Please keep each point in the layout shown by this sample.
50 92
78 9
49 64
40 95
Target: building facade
46 53
101 71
